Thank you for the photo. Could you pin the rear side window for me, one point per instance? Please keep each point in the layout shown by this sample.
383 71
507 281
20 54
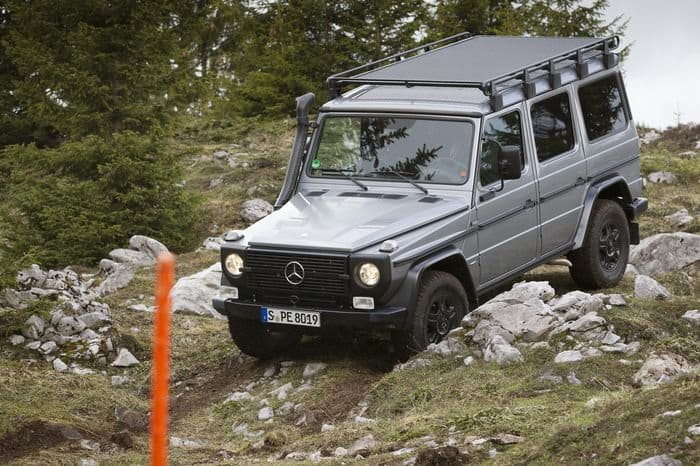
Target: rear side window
602 107
503 130
552 126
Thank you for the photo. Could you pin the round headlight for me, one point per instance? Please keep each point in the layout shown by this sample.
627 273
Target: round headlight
234 265
368 273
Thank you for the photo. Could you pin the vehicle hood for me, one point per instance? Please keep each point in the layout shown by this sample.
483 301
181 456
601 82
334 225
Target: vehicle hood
348 221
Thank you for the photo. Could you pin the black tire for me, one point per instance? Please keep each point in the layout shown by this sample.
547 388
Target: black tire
602 259
261 341
440 307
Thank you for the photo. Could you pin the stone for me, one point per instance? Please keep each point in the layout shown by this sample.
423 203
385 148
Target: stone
574 304
671 413
255 209
648 288
507 439
501 352
447 347
529 320
694 429
32 277
117 380
282 392
312 369
48 347
551 378
468 361
295 455
88 462
327 427
265 413
660 368
131 257
364 420
572 379
238 396
147 245
141 308
177 442
93 320
663 177
16 340
89 334
69 325
362 446
617 300
687 155
193 294
568 356
125 359
213 243
692 316
33 345
650 136
59 365
413 363
118 276
680 219
631 271
91 445
132 420
659 460
665 252
340 452
33 327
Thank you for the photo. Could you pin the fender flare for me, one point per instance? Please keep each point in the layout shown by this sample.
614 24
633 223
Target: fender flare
592 194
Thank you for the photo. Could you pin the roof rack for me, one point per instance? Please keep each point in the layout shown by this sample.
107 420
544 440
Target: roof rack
492 64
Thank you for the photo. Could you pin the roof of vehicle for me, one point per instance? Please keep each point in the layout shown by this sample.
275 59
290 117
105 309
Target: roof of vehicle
474 74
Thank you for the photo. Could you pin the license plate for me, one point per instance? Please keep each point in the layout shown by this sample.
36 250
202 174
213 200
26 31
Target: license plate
283 316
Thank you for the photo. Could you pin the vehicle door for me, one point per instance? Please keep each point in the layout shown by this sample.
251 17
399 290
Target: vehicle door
561 168
508 230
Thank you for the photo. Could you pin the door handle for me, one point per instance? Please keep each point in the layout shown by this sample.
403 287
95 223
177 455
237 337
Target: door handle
580 181
529 204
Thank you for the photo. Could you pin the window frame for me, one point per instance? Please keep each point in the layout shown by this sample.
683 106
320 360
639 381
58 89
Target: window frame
572 115
316 139
623 99
500 114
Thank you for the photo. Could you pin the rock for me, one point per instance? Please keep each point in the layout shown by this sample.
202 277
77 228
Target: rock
69 325
650 136
221 155
33 277
238 396
93 320
255 209
48 347
468 361
327 427
282 392
694 429
16 340
364 420
132 420
662 177
265 413
530 319
631 271
295 455
140 308
312 369
131 257
118 276
91 445
33 327
507 439
447 347
617 300
665 252
660 368
88 462
33 345
572 379
177 442
117 380
501 352
680 219
671 413
59 365
659 460
686 155
125 359
362 446
340 452
213 243
574 304
692 316
147 245
194 294
568 357
648 288
413 363
551 378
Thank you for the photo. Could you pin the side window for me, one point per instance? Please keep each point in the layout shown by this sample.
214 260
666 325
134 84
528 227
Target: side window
503 130
552 126
602 107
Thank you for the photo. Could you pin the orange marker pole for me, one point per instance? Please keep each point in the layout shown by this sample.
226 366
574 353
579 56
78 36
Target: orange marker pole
165 275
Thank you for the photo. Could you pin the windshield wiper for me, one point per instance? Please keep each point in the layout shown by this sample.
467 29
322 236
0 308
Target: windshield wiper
344 174
406 179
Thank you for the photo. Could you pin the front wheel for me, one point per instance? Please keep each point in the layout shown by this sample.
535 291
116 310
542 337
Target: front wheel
602 259
440 307
261 341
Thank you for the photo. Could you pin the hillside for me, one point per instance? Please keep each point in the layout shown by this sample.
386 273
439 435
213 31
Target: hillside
343 400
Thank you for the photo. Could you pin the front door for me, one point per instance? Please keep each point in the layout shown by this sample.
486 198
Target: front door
508 229
561 168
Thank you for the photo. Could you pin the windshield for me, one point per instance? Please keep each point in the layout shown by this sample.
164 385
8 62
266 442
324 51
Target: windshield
422 150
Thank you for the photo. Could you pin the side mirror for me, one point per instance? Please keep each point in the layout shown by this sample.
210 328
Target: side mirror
509 162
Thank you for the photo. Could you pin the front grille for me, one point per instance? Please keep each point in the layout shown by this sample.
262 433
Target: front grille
325 278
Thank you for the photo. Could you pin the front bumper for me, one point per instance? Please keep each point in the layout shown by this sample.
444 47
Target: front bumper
386 318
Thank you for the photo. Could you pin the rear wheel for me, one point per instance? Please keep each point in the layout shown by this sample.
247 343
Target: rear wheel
440 307
602 259
261 341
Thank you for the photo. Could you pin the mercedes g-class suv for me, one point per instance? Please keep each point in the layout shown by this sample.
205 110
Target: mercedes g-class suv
443 172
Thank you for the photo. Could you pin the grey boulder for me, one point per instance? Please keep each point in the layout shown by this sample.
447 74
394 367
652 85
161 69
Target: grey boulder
255 209
692 316
665 252
648 288
194 294
660 368
658 460
680 219
663 177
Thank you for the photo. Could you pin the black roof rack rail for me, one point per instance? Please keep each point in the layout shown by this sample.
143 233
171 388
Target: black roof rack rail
444 66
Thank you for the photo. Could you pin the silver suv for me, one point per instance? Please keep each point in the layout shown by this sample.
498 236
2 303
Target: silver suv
444 172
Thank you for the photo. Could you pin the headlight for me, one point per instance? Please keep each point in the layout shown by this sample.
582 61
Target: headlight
368 273
234 264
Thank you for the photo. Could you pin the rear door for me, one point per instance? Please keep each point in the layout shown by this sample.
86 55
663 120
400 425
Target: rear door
561 167
507 219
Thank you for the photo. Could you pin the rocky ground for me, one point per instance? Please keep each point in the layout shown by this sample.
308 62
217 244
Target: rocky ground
541 373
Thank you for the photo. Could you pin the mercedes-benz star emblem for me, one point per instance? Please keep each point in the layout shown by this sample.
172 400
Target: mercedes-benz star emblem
294 273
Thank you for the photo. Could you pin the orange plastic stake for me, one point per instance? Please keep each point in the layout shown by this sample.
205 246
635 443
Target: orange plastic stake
161 360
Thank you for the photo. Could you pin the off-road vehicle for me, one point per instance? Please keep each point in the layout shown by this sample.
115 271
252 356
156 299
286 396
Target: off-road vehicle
439 174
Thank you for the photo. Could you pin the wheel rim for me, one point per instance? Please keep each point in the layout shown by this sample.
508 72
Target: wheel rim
610 246
442 314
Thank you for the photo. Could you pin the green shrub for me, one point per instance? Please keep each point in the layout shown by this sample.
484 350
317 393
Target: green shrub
71 205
